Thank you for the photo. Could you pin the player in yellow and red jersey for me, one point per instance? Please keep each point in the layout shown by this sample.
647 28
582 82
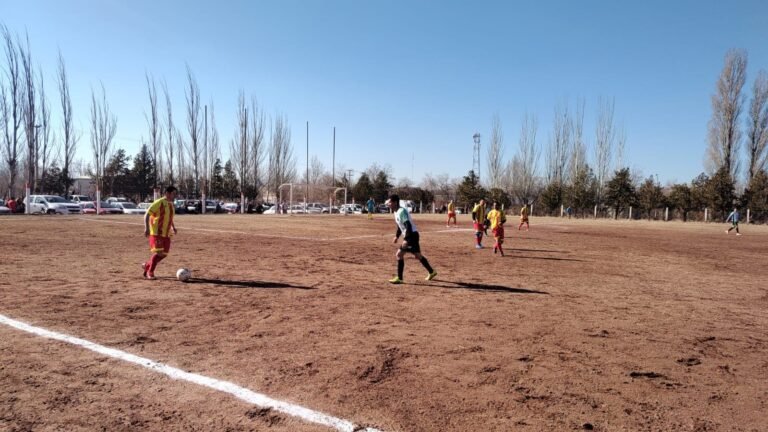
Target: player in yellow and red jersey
497 219
158 224
478 221
451 214
524 212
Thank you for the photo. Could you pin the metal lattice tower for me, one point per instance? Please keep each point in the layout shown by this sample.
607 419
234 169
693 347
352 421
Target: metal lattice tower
476 155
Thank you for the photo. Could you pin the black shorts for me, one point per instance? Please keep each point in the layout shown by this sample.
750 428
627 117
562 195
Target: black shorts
412 244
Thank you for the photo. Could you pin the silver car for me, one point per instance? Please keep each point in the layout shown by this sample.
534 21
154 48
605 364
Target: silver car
128 207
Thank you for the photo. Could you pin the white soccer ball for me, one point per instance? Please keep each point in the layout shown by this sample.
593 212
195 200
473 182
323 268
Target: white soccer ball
183 274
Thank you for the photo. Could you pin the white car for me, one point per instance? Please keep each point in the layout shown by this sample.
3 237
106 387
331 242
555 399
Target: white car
80 198
4 209
51 204
128 207
230 207
297 209
351 209
270 210
144 205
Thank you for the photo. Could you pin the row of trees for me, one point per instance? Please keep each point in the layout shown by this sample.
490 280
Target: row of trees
188 157
37 152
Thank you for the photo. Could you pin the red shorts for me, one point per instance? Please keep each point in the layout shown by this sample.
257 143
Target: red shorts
498 232
451 214
479 227
159 244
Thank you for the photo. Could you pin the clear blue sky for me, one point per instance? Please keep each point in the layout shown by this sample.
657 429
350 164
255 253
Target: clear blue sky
407 83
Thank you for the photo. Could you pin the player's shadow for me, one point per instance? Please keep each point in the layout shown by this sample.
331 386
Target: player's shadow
540 258
484 287
246 284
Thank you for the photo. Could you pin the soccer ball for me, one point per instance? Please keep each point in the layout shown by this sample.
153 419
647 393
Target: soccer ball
183 274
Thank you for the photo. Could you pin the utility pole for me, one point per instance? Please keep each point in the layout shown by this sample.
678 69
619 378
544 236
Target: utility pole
349 177
205 158
333 169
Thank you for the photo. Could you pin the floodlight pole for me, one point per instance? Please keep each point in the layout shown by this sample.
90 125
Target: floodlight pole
476 155
306 193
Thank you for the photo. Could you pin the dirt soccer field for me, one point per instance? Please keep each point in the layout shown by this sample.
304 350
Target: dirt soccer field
584 325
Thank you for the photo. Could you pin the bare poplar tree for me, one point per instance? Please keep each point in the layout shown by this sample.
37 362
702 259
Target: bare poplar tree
11 106
239 147
256 136
213 146
496 153
103 129
181 163
155 131
578 144
758 125
194 147
69 137
522 168
47 146
605 139
727 106
282 164
171 134
559 145
29 102
621 143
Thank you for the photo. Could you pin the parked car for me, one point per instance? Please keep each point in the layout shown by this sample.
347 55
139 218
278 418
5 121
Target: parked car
231 207
313 208
327 210
88 207
382 208
351 209
117 199
80 198
107 209
144 206
51 204
270 210
210 206
128 208
297 209
4 209
180 206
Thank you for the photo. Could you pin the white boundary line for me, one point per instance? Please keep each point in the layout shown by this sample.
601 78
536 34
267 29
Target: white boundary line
235 390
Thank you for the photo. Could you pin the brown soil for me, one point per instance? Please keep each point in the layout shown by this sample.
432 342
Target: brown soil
583 325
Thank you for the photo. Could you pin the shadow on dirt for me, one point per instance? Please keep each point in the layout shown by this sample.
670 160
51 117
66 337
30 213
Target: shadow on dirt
539 258
508 248
246 284
481 287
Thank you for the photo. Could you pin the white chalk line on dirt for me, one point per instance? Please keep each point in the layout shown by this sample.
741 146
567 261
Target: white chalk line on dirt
235 390
364 236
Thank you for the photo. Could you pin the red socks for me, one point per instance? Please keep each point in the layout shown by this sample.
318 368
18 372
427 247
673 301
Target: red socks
153 261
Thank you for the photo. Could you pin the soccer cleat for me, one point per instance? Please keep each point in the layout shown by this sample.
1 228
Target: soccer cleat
431 276
144 269
395 280
150 276
727 232
738 234
478 246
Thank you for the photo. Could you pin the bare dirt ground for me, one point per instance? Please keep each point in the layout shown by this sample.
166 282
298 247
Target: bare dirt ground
584 325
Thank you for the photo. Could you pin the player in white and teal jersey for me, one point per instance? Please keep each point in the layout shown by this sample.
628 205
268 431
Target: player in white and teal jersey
410 244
